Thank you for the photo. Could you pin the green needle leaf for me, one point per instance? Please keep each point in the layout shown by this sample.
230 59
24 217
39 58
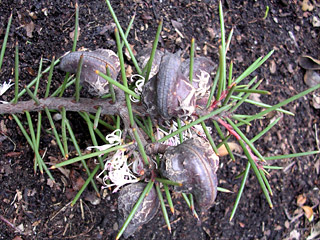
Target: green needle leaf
163 207
240 191
119 85
90 155
198 121
153 51
5 40
49 77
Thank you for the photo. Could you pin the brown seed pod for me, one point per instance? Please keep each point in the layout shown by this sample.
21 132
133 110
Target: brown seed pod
175 95
146 211
92 61
194 164
143 59
202 82
149 98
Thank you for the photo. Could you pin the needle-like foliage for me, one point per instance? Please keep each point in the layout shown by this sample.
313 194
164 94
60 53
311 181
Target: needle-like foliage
226 95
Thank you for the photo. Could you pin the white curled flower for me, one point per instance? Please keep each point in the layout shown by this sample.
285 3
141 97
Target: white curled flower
202 80
5 86
137 164
118 171
187 134
185 104
139 84
173 141
113 140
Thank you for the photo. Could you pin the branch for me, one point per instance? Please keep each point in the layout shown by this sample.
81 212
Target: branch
84 104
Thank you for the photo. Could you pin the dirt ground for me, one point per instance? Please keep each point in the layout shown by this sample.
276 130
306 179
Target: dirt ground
44 28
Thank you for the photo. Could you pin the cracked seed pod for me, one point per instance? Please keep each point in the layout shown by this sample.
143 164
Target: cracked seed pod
194 164
143 59
201 81
128 197
175 96
92 61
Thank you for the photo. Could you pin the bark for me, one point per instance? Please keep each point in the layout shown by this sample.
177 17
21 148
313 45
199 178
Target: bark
85 104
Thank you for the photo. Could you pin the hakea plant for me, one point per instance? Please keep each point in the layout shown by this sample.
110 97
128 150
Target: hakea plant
161 130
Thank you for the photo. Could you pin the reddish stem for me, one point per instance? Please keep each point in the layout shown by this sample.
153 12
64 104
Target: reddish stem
223 95
229 128
237 136
254 157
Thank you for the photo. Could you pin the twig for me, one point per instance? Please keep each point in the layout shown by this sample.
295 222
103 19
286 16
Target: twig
84 104
293 219
62 209
2 218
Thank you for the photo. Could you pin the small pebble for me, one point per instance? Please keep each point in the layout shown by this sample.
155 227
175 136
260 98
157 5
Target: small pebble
57 117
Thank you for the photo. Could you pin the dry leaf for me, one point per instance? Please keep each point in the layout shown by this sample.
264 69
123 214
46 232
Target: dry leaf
29 28
50 182
308 212
178 27
19 195
76 180
255 97
129 71
71 34
177 24
92 198
233 146
316 101
273 66
317 166
31 71
307 6
21 227
315 21
145 17
294 234
301 200
242 224
64 171
126 52
36 223
212 33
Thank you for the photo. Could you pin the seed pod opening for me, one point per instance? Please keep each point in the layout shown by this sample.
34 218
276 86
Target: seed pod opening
202 69
128 197
92 61
144 56
194 164
170 93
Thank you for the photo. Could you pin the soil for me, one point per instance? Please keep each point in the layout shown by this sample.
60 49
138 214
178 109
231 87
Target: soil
41 210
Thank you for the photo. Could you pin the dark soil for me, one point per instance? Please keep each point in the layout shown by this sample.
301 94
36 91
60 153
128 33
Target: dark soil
42 210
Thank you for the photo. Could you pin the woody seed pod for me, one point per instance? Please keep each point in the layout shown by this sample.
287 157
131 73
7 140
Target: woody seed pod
194 164
170 93
92 61
146 211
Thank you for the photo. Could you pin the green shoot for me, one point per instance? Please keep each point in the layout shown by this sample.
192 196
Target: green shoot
5 40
